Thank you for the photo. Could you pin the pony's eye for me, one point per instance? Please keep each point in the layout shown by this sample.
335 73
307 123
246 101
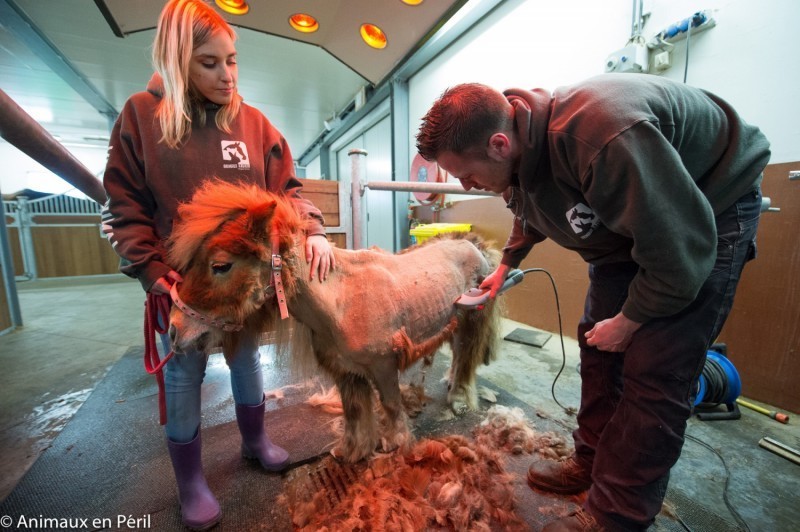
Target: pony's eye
221 267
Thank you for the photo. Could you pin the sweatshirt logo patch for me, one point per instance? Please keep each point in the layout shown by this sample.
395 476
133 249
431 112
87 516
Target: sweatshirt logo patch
234 153
583 220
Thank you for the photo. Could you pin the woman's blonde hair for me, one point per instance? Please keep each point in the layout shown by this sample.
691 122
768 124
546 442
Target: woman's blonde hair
183 26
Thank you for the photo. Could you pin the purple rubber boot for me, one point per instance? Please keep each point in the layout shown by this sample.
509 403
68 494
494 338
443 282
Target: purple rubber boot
199 508
255 442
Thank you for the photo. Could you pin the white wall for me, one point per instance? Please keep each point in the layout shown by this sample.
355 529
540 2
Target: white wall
749 58
532 44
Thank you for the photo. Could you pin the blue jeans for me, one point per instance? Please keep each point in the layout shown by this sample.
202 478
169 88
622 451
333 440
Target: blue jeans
183 375
634 405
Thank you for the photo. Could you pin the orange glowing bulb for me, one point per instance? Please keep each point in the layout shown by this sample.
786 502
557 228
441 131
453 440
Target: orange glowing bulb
373 36
303 23
234 7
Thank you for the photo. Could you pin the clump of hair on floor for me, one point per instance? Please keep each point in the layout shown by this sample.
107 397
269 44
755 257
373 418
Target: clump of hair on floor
448 483
508 429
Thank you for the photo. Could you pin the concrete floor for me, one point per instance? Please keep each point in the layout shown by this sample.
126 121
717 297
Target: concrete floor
75 330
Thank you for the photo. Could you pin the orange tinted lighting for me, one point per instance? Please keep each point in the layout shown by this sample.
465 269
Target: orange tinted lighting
412 2
303 23
234 7
373 36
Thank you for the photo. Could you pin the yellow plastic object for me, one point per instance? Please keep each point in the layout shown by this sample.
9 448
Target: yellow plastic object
423 232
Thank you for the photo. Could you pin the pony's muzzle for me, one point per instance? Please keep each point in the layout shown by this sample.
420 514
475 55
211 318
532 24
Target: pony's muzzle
186 334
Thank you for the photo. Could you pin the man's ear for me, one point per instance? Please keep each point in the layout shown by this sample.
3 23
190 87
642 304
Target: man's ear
499 147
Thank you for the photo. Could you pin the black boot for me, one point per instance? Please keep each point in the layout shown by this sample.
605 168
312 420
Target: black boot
199 508
255 442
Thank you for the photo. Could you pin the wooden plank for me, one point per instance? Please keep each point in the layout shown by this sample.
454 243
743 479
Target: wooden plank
72 251
16 250
325 196
763 330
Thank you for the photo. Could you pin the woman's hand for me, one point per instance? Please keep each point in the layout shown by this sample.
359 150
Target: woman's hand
161 286
613 334
319 254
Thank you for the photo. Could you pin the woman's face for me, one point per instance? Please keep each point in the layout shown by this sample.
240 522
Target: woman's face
213 71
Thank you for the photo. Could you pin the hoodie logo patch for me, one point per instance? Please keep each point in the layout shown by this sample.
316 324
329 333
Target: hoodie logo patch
234 153
583 220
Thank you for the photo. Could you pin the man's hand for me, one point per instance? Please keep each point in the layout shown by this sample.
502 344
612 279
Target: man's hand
494 281
319 254
612 335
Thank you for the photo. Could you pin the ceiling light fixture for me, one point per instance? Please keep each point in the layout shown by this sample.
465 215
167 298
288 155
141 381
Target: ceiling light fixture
412 2
303 23
234 7
373 36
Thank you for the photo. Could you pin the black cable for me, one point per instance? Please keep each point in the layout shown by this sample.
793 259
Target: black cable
686 65
570 411
717 387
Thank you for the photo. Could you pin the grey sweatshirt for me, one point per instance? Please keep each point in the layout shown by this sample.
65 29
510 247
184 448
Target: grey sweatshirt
631 167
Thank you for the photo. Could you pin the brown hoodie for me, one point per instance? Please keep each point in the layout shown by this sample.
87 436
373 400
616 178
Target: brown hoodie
145 180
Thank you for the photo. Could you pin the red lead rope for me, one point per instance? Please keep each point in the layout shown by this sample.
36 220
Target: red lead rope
155 305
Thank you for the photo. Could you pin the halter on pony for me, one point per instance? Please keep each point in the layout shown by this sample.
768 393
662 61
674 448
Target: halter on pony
275 288
155 305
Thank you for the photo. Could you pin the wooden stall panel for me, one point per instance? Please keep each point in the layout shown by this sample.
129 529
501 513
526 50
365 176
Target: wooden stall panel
16 250
72 251
325 195
763 331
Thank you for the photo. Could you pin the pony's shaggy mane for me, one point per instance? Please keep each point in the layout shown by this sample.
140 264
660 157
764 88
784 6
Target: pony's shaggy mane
216 202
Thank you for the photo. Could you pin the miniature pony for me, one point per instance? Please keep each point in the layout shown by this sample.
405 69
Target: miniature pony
378 313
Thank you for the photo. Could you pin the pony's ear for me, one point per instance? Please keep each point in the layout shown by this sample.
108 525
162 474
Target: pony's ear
258 218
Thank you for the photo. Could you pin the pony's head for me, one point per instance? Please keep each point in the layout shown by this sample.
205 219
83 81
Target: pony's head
222 247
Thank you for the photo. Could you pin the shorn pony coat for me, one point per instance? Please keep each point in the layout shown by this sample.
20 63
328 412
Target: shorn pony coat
375 315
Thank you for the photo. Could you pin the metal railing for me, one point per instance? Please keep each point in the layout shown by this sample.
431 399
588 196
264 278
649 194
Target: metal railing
359 186
27 213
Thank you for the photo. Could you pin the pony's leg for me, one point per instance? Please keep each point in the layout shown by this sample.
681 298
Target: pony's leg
385 376
461 392
360 432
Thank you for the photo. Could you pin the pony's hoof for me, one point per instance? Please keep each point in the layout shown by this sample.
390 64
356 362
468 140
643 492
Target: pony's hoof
387 447
459 408
337 454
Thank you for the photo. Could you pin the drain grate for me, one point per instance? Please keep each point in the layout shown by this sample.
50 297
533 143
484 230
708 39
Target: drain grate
328 480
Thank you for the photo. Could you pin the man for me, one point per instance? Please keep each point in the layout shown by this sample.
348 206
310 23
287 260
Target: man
657 186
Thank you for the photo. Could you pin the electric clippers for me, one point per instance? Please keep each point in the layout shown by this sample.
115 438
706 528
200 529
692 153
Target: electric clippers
476 298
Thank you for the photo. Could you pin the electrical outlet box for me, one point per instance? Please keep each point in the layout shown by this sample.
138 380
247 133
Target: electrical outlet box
661 61
632 58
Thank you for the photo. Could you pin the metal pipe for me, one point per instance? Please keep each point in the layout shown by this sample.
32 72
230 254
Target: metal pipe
357 195
437 188
21 130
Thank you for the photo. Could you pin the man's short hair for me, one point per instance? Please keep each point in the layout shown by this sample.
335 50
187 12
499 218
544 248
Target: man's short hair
463 118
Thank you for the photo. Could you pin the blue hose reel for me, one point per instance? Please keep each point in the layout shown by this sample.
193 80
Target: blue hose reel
719 384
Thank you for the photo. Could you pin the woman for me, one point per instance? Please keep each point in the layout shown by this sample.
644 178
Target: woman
189 125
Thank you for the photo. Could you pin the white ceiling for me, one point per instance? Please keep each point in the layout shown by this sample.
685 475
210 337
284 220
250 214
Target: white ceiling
297 84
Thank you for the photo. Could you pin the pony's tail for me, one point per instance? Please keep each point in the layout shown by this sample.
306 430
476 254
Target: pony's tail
476 339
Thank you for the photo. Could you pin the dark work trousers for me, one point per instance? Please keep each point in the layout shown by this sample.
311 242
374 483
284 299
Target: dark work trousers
634 405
